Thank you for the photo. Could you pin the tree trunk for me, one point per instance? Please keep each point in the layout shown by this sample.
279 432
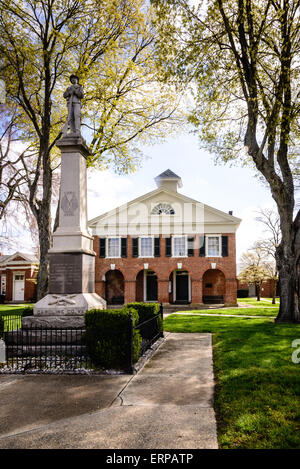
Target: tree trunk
44 238
288 283
258 286
274 291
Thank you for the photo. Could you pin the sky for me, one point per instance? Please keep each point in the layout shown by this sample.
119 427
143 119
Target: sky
220 186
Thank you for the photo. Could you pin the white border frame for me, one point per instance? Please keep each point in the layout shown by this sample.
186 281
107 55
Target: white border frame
139 247
14 280
186 245
106 247
206 244
189 285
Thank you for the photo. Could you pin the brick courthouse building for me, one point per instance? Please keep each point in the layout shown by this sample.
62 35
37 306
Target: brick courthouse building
166 247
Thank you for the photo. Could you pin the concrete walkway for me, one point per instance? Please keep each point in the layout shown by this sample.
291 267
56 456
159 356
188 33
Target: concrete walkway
167 405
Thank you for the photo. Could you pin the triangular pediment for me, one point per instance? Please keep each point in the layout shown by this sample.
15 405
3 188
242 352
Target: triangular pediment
20 257
139 213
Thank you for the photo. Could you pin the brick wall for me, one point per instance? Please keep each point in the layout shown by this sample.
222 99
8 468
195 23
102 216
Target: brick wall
163 266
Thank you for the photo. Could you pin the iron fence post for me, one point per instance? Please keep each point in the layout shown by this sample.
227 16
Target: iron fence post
162 320
130 355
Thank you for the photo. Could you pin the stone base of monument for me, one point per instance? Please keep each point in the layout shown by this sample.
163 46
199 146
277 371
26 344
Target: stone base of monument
58 310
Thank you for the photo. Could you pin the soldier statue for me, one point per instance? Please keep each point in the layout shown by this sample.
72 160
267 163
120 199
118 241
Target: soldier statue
73 95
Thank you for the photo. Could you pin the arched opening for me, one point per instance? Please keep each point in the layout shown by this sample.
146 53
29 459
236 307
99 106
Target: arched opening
114 287
179 287
213 287
146 286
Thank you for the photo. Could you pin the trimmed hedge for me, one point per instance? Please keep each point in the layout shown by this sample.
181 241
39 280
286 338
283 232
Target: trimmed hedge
27 311
108 337
1 327
147 311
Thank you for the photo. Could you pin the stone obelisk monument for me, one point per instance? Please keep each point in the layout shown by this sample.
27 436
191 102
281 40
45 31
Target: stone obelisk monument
72 259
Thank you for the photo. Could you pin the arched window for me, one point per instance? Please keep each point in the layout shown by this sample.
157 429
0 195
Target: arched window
163 208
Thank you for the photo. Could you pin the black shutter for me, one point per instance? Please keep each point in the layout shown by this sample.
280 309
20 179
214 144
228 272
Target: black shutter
123 247
135 247
156 247
202 246
168 247
190 246
102 245
224 246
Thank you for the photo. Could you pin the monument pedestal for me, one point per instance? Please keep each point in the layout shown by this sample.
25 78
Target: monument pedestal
72 259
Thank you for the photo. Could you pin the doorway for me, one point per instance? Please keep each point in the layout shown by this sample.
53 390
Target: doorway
18 287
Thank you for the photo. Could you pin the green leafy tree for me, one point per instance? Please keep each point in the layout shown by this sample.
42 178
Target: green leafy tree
257 267
241 59
110 45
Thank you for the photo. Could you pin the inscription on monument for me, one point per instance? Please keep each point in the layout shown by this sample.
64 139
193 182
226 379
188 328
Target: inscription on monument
65 273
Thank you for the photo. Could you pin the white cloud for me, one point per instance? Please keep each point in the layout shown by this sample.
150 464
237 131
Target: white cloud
107 191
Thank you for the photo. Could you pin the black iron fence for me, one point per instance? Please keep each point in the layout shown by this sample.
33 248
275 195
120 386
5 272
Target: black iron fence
11 322
150 330
45 348
64 349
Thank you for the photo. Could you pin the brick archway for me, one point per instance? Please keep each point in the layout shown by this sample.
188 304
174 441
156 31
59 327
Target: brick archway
114 287
214 287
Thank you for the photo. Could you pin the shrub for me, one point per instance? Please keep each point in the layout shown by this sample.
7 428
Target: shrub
108 337
148 311
145 310
27 311
1 327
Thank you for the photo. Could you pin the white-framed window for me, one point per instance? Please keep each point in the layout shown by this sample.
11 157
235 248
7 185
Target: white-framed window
163 208
19 276
146 247
113 247
179 246
213 246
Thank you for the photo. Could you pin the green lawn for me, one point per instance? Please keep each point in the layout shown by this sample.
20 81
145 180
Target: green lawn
268 312
8 309
13 310
262 302
257 399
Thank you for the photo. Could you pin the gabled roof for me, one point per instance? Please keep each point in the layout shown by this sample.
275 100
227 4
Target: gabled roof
229 218
28 258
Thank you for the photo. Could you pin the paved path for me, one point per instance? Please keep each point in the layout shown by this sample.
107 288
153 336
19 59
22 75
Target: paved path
168 404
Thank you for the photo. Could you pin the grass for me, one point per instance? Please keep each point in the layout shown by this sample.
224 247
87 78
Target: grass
262 302
268 312
15 311
257 400
256 308
10 309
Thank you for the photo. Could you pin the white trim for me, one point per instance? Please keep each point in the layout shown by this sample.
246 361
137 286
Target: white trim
211 235
145 286
230 219
14 290
13 268
174 285
106 247
179 236
140 250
